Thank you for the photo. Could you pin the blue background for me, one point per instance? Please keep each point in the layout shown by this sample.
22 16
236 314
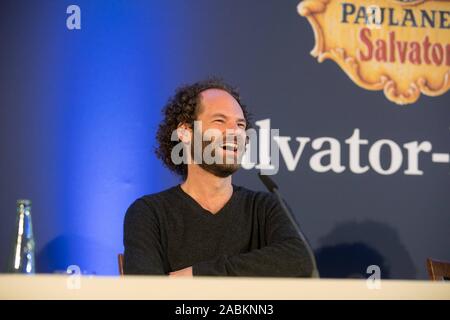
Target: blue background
79 111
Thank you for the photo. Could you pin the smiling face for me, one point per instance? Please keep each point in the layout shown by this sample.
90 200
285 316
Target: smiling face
223 125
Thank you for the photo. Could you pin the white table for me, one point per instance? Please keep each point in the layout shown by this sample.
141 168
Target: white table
164 288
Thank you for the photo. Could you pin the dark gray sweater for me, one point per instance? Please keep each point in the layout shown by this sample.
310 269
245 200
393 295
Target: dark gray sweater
249 236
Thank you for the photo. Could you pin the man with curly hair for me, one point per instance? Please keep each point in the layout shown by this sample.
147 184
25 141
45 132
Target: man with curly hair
206 225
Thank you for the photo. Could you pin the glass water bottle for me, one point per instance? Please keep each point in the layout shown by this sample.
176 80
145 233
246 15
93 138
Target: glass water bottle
22 258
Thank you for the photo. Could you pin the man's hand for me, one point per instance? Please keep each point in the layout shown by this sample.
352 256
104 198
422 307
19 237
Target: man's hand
186 272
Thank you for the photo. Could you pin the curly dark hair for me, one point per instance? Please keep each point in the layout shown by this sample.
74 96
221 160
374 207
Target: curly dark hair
182 108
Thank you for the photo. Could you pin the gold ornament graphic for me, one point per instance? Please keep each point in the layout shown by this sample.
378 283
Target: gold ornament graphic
401 47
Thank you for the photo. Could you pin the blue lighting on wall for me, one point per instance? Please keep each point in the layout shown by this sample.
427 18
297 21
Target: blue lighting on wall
96 98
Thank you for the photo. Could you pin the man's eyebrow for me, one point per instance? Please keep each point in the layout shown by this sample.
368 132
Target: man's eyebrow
221 115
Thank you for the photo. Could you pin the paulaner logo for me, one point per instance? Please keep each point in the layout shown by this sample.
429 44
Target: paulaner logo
400 47
266 150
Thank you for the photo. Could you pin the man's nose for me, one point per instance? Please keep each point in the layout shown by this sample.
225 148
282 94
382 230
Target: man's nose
235 135
232 126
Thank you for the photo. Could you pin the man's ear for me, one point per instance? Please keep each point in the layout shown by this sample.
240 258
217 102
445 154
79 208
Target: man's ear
184 133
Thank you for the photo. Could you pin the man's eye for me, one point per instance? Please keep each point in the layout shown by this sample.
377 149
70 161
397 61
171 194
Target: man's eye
242 125
219 121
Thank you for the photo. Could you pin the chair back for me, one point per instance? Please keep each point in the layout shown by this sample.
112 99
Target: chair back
438 270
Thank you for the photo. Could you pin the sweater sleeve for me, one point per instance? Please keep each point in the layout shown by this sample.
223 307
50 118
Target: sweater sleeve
285 254
143 250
